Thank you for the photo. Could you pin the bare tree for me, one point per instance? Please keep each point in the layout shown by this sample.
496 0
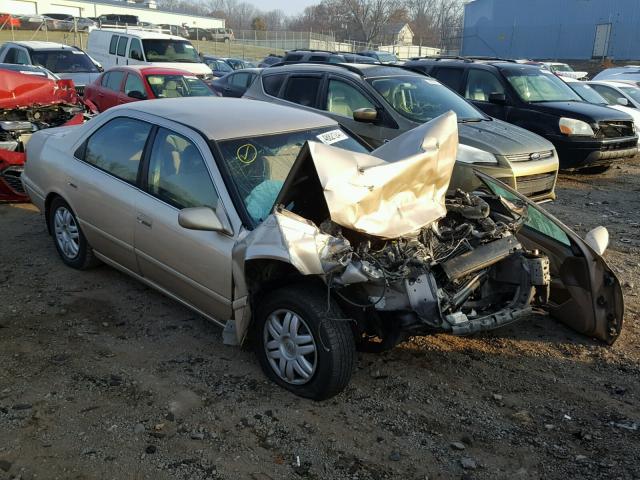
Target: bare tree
370 16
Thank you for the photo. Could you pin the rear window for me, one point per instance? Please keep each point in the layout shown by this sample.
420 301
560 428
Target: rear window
302 90
451 77
64 61
294 57
272 84
318 58
114 44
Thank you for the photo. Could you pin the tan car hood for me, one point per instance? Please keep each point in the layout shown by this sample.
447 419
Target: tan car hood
393 192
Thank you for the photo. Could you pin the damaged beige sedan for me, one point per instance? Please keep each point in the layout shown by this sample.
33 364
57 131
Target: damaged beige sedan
278 225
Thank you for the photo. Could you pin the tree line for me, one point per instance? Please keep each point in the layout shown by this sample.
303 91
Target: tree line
435 23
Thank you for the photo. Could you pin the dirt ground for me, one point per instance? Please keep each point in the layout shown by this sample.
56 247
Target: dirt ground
103 378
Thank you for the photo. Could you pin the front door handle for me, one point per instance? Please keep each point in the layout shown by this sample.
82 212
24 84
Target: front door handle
143 220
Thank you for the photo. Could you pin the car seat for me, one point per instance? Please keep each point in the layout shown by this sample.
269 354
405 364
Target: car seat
337 101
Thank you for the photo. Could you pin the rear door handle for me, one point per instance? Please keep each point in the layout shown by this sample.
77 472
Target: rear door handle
143 220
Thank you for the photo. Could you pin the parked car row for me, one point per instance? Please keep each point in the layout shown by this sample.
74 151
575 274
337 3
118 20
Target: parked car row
335 207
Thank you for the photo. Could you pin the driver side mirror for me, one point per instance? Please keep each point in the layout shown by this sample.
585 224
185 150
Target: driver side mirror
597 239
137 95
622 101
499 98
201 218
367 115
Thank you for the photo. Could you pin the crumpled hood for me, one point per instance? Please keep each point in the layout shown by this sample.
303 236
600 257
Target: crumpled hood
393 192
501 138
21 90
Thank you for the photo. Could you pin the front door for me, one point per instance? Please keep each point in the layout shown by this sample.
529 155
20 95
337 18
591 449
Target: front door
585 293
193 265
340 101
481 84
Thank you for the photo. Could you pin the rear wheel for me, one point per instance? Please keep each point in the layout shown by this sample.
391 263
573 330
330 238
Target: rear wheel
68 238
303 346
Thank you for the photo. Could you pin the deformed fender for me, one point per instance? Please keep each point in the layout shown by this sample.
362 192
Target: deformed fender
288 238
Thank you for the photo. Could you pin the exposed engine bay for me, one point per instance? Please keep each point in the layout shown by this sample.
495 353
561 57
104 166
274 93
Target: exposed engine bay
30 103
462 274
18 124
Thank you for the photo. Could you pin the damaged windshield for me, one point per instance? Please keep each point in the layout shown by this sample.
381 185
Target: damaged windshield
423 99
258 166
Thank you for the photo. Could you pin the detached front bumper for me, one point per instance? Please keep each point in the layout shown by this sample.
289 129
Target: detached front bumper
11 167
578 153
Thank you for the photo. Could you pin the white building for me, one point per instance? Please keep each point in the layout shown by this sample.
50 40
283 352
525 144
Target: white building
146 10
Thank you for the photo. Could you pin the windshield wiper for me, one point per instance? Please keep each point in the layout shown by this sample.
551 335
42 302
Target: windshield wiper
471 120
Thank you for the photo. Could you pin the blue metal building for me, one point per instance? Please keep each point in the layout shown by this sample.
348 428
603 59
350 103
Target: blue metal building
553 29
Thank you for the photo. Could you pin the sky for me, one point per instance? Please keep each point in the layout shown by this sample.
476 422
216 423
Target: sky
287 6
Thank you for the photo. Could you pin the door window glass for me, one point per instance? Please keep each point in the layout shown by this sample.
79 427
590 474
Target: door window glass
239 79
114 80
133 84
272 84
114 44
609 94
178 174
343 99
451 77
135 50
122 46
481 84
106 150
536 219
302 90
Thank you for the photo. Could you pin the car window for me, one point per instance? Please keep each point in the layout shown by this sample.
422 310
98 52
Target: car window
133 84
258 166
536 219
536 85
114 44
178 174
64 61
481 84
135 49
451 77
122 46
177 85
114 81
239 79
294 57
610 95
272 84
318 58
17 56
633 92
161 50
105 79
343 99
302 90
106 150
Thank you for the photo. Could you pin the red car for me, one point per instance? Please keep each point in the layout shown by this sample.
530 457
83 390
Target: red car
8 21
131 83
29 101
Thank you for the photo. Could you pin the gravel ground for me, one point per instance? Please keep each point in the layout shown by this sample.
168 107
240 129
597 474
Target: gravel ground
101 377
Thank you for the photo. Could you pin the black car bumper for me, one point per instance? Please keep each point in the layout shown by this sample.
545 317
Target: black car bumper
576 153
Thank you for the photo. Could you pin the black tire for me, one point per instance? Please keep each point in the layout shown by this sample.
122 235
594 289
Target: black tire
331 332
84 257
204 38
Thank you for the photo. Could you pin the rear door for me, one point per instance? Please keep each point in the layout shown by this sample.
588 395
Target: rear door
109 94
237 84
101 187
585 293
193 265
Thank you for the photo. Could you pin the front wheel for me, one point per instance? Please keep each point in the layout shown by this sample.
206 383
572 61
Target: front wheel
304 343
70 242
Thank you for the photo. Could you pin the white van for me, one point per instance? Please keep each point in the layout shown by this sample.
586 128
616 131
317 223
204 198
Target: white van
113 47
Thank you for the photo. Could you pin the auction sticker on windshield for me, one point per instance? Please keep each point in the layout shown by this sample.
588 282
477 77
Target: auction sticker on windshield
331 137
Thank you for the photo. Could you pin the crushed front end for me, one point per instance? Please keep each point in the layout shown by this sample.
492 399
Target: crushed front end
27 104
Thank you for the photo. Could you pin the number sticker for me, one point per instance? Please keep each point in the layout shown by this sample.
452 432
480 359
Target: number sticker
331 137
247 153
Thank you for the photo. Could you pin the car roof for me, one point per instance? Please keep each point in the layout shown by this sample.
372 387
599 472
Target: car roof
38 45
150 69
212 116
612 83
141 34
365 70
